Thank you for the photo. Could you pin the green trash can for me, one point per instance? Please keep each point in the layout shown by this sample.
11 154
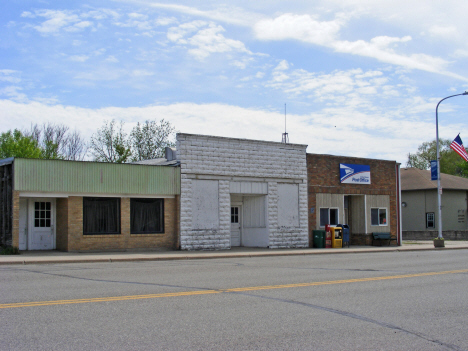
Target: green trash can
318 238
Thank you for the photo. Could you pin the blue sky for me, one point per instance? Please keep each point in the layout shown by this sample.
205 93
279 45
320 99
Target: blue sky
359 78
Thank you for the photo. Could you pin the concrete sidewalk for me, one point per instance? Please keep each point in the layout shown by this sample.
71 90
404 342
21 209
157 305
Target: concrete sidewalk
51 257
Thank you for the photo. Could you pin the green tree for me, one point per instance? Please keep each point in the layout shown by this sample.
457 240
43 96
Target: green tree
150 139
110 144
16 144
450 161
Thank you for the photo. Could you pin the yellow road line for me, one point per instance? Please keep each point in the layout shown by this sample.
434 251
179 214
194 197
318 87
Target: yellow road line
207 292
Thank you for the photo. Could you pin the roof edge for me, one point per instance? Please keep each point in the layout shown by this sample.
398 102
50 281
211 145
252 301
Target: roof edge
7 161
240 139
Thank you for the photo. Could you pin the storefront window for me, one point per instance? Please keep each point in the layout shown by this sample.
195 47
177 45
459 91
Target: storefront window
379 216
101 215
146 216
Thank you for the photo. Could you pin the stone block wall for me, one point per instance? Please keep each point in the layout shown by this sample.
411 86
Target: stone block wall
228 159
323 176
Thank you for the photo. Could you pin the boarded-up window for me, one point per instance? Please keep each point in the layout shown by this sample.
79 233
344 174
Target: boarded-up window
205 204
254 212
288 205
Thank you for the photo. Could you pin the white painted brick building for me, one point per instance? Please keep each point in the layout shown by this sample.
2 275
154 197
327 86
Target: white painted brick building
237 192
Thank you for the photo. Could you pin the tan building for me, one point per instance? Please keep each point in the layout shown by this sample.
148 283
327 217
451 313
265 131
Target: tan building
88 206
420 208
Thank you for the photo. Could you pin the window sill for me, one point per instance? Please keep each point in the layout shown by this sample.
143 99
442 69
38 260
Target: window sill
101 235
148 234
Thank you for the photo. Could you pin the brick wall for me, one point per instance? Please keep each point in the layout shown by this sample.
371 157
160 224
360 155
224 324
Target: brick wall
77 241
226 159
323 176
61 230
15 225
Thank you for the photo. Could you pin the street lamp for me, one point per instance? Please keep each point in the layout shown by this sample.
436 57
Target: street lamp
439 190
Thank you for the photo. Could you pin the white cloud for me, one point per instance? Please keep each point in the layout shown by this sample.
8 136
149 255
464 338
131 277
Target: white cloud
460 53
326 33
79 26
208 39
111 58
443 31
142 73
226 14
352 84
242 63
10 76
68 20
136 20
299 27
100 74
177 34
14 93
165 21
56 20
282 66
79 58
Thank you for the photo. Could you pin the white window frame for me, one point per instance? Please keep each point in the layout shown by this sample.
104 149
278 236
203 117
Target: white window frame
427 219
378 216
328 210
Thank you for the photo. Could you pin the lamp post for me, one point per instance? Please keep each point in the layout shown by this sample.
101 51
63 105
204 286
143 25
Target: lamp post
439 190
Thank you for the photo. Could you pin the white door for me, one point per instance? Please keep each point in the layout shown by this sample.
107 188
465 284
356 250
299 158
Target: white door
41 224
23 224
235 226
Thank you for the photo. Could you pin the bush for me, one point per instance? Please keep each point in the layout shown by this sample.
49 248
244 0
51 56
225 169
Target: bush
9 250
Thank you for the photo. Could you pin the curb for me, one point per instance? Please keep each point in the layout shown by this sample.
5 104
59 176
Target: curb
212 255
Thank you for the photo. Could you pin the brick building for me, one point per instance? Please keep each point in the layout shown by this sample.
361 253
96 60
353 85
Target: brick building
367 200
83 206
237 192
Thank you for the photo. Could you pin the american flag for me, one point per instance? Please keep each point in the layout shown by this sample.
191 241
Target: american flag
457 146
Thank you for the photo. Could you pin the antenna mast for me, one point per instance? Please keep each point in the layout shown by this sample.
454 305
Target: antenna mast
285 138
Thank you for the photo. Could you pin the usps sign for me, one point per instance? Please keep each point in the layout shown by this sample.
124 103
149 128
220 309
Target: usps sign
354 174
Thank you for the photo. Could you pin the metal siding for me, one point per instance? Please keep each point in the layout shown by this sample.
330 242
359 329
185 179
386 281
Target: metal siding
326 200
453 205
93 177
248 188
414 214
358 213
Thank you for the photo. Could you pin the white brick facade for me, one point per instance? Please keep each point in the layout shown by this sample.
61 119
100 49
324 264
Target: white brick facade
263 165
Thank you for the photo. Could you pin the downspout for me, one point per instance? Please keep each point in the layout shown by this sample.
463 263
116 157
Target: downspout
398 205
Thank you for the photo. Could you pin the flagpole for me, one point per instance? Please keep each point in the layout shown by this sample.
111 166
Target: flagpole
439 189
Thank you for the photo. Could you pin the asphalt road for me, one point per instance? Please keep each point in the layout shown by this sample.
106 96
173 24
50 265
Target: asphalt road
368 301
